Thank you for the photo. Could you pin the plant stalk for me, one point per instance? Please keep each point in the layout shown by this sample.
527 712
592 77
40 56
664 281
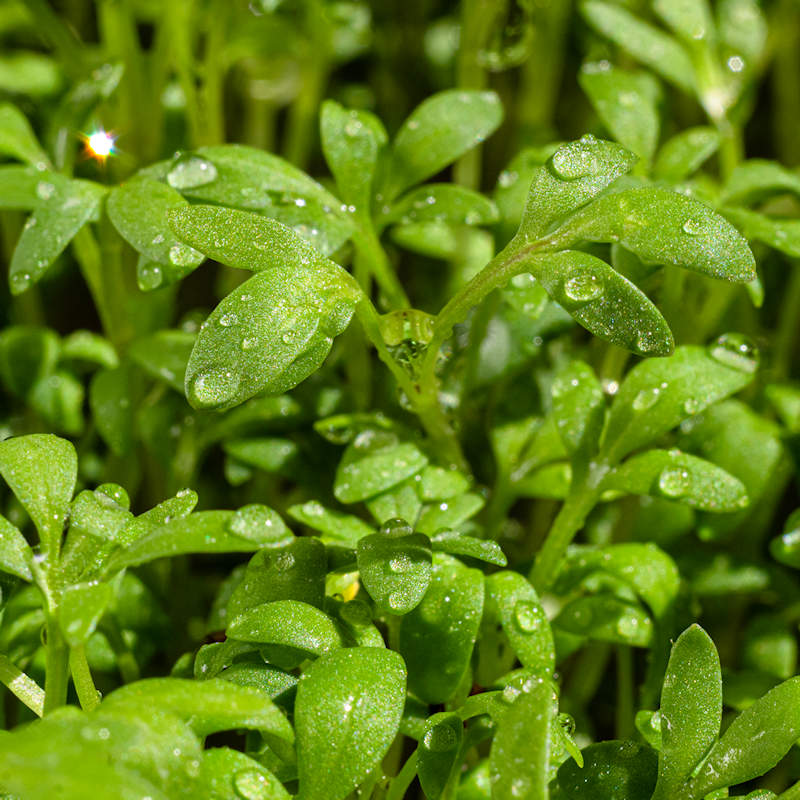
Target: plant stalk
21 686
56 667
88 696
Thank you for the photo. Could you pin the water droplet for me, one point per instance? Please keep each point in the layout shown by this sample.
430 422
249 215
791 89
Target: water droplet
583 286
646 398
736 351
45 190
353 127
249 343
288 337
400 563
692 405
214 387
149 277
528 616
228 320
396 527
693 227
191 172
440 738
283 562
251 784
628 626
20 281
397 601
259 523
576 159
181 255
674 481
507 178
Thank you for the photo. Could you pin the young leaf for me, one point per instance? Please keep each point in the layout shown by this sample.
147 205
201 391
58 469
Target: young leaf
41 470
27 354
578 406
85 346
15 552
58 398
437 637
63 211
269 334
445 541
690 19
516 605
347 713
335 526
395 568
601 300
685 153
437 755
778 233
110 400
626 102
576 172
754 742
442 202
757 179
352 141
606 618
17 138
520 756
138 209
451 514
82 606
647 44
437 483
691 710
438 131
658 394
681 477
666 228
164 355
288 623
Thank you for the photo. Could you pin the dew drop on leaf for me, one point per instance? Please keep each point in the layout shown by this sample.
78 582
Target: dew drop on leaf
181 255
583 286
396 527
736 351
527 616
214 387
646 398
440 738
150 277
693 227
250 784
674 482
191 172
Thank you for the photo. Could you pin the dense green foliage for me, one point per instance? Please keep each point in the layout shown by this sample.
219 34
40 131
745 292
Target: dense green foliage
393 393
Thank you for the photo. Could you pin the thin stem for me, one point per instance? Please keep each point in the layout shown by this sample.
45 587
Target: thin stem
625 699
56 668
21 686
371 250
211 93
786 338
181 17
88 696
403 779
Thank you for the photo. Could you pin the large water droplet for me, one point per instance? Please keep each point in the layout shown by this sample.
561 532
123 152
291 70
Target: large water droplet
440 738
400 563
628 626
214 387
674 481
575 160
258 523
693 227
396 527
20 281
646 398
736 351
191 172
250 784
583 286
149 276
228 320
527 616
181 255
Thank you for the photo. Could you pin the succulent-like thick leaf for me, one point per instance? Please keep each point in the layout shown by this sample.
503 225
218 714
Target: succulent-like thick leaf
754 742
15 552
685 153
438 131
691 709
658 394
138 209
63 210
664 227
626 102
437 637
602 300
742 26
41 470
647 44
347 713
17 138
681 477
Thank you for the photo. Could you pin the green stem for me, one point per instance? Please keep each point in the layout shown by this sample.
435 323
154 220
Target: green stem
403 779
21 686
625 699
180 22
56 667
370 249
88 695
58 35
211 93
786 337
580 501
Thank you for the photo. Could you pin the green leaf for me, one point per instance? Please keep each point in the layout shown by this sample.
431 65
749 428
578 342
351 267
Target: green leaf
85 346
689 19
23 188
17 138
96 514
647 44
437 637
601 300
288 623
779 233
437 483
742 27
613 770
658 394
27 354
352 141
437 755
398 502
754 742
576 172
206 706
450 514
454 543
164 355
373 463
58 398
520 755
666 228
270 333
203 532
395 567
15 552
347 713
438 131
110 400
626 102
65 209
138 209
685 153
273 455
681 477
757 179
82 605
786 548
336 527
578 406
606 618
442 202
512 599
691 709
41 470
228 775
